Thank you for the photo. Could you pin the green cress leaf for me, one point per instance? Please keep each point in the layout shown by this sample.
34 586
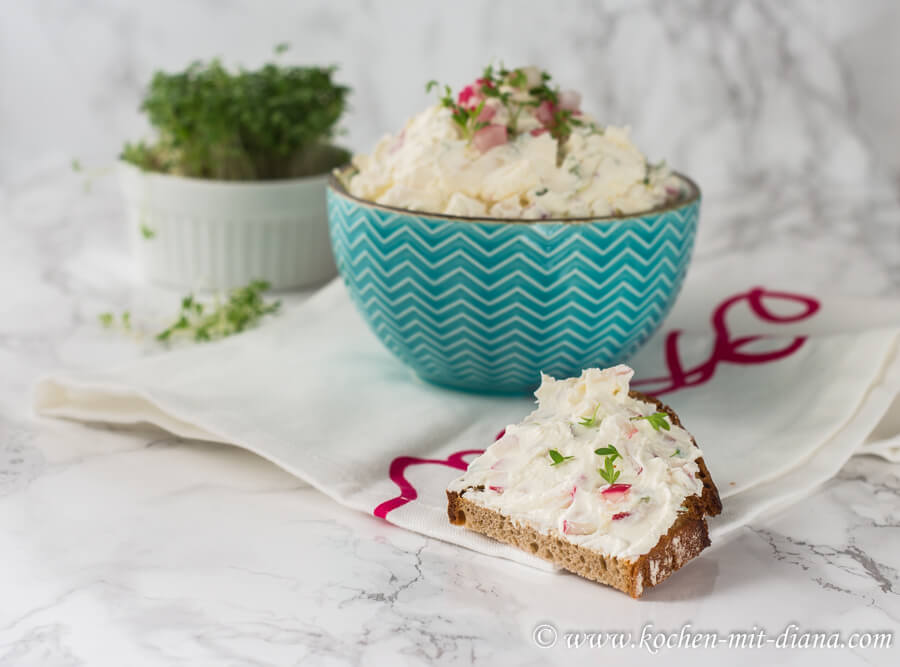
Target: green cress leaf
610 451
558 458
657 420
608 472
592 420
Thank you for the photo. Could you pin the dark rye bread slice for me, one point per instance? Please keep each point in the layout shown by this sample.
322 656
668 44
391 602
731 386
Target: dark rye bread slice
686 538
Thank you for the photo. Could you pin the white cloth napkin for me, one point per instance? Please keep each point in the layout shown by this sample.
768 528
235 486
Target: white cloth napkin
779 391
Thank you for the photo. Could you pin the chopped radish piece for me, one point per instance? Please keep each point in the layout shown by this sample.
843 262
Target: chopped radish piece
486 114
570 100
620 515
578 527
467 97
616 490
500 435
544 113
497 489
489 137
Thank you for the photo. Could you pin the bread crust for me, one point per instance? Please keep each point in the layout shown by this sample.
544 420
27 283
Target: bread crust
686 538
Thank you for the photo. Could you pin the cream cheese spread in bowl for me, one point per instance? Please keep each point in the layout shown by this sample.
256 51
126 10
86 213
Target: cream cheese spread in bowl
510 146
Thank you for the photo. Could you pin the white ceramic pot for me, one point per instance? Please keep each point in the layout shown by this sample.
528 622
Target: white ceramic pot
200 234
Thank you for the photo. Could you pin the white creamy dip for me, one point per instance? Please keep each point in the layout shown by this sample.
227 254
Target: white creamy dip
656 467
526 158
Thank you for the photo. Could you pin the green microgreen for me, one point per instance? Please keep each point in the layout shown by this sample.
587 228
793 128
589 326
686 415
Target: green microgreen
541 192
608 472
273 122
609 451
244 308
677 452
108 320
147 232
657 420
558 458
592 420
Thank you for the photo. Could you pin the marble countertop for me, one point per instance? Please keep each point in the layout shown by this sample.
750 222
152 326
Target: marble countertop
127 546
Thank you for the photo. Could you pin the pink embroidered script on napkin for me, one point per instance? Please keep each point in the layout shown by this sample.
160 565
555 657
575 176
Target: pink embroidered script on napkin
726 349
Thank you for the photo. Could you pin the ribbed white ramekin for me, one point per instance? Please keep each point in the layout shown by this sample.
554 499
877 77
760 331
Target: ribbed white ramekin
200 234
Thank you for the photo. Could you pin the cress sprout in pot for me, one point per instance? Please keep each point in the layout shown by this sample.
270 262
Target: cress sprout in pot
275 122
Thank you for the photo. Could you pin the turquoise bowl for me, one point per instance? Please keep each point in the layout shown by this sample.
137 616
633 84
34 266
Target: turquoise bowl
486 305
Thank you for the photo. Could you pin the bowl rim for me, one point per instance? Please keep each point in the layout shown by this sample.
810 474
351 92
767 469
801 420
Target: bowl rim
694 196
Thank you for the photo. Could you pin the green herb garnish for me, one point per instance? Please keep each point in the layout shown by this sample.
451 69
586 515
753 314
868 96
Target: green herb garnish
592 420
558 458
107 320
147 232
541 192
608 471
270 123
511 89
657 420
244 308
677 452
609 451
465 117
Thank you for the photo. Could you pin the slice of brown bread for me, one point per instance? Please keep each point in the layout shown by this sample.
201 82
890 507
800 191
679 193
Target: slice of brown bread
686 538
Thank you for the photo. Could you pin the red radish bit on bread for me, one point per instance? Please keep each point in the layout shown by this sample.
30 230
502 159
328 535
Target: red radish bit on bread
496 489
620 515
500 435
616 490
578 527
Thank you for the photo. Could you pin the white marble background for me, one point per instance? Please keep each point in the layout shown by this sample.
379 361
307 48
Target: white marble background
128 547
738 94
